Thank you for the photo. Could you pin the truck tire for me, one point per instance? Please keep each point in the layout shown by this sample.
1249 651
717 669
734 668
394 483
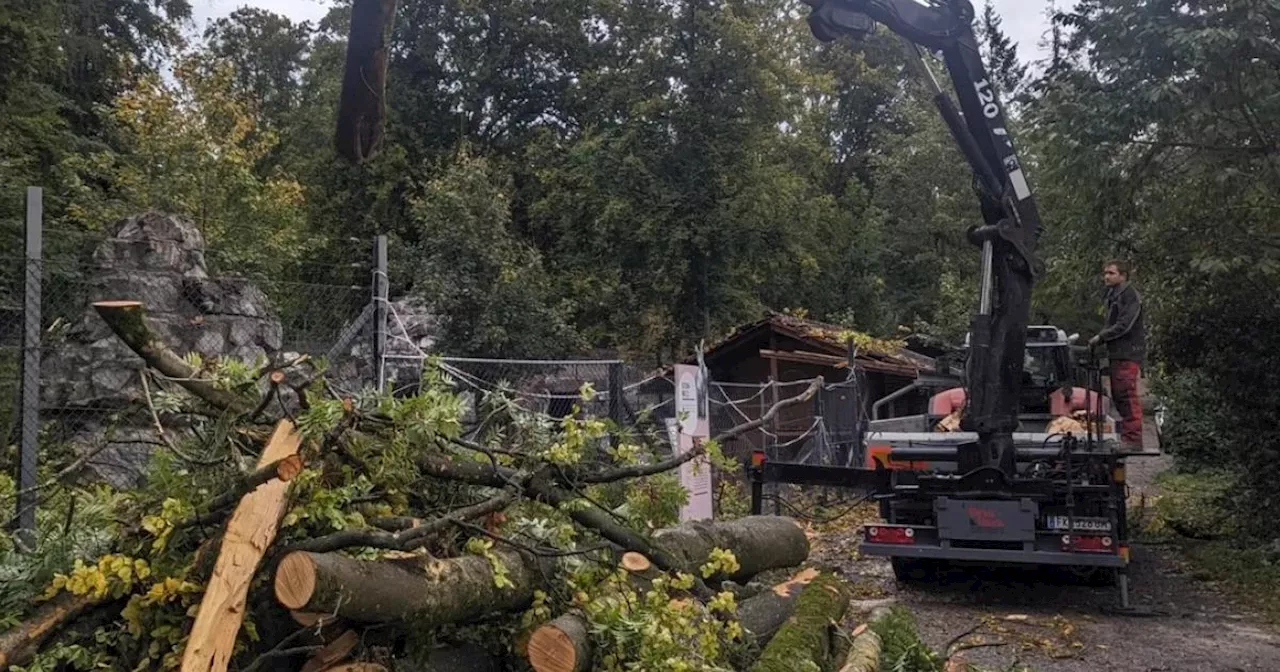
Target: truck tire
907 570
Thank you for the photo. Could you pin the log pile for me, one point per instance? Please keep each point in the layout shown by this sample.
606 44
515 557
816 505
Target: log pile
447 548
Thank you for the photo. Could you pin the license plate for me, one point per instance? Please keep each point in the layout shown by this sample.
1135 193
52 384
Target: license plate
1081 524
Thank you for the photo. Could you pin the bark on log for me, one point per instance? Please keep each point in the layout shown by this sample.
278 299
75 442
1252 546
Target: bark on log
21 643
563 645
806 635
250 531
762 615
429 591
759 543
357 667
866 647
126 320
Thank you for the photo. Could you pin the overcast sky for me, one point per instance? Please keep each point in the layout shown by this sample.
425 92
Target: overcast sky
1023 19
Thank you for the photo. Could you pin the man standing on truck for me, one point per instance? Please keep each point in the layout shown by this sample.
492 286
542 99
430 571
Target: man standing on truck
1125 338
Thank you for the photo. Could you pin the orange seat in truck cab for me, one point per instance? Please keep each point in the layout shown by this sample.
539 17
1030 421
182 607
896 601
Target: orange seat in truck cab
952 400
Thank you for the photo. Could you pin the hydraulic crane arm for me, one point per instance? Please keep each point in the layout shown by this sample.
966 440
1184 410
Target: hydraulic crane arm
1011 221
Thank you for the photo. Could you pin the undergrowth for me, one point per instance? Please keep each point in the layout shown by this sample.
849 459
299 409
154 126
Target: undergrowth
1192 513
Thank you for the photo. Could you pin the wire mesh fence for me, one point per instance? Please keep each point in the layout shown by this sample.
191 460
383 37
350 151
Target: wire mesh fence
93 402
88 405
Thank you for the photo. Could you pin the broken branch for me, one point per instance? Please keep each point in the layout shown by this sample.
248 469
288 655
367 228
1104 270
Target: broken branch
126 319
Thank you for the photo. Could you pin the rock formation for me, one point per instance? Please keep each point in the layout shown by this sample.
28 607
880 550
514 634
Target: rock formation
88 374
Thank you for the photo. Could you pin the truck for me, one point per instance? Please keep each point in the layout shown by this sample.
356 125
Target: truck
1017 460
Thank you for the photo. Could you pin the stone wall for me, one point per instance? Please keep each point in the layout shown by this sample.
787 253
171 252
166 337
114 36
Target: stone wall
87 374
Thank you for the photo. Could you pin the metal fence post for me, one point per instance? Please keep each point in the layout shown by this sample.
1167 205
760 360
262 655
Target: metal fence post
34 273
615 392
380 294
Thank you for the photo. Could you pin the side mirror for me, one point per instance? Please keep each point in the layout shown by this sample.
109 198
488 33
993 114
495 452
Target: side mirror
1072 339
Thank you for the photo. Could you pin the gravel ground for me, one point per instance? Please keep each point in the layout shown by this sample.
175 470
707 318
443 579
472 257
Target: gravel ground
1057 624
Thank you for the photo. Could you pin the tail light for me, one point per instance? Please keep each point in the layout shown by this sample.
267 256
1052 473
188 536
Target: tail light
1088 544
890 535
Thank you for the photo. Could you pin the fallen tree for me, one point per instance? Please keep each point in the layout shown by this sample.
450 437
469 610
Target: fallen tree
385 521
807 638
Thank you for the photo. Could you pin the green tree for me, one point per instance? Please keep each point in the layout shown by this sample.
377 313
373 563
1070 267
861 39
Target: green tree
192 147
491 287
1000 54
1164 115
269 53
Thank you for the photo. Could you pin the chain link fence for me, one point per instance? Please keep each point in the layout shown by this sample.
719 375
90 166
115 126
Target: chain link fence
91 406
87 407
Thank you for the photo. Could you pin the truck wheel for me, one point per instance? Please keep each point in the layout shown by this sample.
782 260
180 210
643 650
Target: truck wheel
911 569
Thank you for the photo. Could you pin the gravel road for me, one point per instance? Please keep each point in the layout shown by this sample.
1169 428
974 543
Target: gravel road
1056 624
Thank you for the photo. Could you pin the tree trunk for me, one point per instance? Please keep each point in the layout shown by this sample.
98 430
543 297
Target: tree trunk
806 635
431 592
759 543
762 615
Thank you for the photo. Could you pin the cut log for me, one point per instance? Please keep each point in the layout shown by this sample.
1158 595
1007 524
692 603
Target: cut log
357 667
806 636
250 531
762 615
332 653
864 653
126 320
635 563
759 543
866 648
20 644
563 645
430 591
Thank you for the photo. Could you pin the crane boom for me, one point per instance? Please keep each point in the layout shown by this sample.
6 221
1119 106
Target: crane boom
1011 225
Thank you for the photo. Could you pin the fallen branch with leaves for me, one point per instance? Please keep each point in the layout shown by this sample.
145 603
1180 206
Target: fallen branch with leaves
367 523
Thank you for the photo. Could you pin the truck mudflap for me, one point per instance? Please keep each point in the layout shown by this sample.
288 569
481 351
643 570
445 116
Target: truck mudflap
1043 548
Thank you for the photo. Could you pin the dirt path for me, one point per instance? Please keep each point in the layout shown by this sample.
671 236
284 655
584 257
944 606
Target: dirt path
1056 624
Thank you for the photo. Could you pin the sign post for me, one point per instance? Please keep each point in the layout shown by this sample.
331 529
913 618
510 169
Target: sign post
692 426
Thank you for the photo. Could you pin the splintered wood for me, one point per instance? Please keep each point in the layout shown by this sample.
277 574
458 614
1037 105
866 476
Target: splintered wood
250 531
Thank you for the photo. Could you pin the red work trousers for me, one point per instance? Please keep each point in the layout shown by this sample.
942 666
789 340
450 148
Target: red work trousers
1124 392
